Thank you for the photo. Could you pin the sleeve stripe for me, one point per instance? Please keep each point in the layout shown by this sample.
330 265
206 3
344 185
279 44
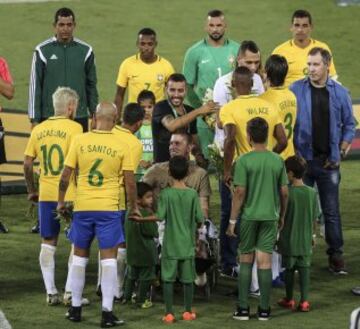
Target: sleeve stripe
32 87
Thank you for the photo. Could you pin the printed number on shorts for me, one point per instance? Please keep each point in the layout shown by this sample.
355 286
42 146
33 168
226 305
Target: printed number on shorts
49 165
95 177
288 123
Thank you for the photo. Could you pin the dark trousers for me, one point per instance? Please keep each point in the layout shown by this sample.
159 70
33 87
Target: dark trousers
228 246
328 181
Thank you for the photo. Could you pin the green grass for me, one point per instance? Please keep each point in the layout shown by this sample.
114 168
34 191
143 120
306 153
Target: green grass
111 28
22 296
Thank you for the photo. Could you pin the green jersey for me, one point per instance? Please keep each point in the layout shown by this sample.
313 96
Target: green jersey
262 173
140 244
144 134
180 208
302 210
204 64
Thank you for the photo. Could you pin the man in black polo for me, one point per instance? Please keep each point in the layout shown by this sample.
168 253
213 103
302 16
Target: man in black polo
172 114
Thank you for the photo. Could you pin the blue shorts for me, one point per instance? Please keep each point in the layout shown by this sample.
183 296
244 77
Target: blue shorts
105 225
49 226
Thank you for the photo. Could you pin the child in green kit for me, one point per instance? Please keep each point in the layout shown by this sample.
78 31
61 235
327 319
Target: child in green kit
141 248
146 100
261 194
296 238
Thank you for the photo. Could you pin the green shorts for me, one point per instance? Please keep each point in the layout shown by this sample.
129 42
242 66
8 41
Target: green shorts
291 262
184 269
257 235
142 273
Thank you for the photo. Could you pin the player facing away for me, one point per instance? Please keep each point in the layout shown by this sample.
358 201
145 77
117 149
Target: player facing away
100 159
296 237
49 143
261 194
141 248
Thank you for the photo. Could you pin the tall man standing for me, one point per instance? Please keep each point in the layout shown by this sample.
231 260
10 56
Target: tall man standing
145 70
62 61
296 50
324 130
204 63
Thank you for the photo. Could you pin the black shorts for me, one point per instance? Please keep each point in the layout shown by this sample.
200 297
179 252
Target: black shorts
2 144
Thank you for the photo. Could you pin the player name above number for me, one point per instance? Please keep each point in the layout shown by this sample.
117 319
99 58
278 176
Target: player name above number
103 149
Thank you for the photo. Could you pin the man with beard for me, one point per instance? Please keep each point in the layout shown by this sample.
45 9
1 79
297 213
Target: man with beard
204 63
172 114
145 70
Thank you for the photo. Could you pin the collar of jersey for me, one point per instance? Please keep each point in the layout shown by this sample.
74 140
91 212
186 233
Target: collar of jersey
123 129
277 88
95 131
226 41
293 44
137 56
246 96
57 117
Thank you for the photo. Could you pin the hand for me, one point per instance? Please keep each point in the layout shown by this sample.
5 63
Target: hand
201 161
228 180
33 197
145 164
331 165
209 107
230 231
135 218
61 208
135 213
344 149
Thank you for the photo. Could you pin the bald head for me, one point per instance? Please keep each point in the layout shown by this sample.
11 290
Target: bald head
106 113
242 80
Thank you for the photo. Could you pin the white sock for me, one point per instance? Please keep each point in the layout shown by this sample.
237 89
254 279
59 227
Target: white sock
77 279
99 271
275 264
68 281
121 267
47 265
108 282
254 278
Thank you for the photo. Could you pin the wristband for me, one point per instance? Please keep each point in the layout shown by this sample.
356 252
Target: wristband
232 221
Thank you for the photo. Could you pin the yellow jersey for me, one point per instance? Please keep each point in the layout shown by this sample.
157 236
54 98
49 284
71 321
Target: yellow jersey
136 149
284 101
50 142
137 76
101 158
241 110
297 59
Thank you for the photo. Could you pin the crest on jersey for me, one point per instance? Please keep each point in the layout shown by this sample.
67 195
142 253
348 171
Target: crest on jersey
160 77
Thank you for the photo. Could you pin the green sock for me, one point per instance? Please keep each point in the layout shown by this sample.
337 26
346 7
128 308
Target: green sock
168 296
265 280
188 296
144 287
244 281
304 278
129 288
289 283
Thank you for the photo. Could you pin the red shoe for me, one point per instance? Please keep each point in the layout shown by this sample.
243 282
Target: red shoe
304 306
284 302
189 316
169 318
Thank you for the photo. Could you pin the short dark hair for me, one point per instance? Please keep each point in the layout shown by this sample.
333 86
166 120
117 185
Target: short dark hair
301 13
147 31
258 129
243 75
178 167
276 68
177 77
133 113
142 188
144 95
183 132
248 45
215 13
325 54
297 165
63 12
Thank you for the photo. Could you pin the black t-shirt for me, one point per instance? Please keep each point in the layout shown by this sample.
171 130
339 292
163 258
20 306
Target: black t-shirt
320 121
161 136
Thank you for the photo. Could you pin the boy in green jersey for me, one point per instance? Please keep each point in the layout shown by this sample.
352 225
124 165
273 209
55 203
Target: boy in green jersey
296 238
141 248
146 100
261 193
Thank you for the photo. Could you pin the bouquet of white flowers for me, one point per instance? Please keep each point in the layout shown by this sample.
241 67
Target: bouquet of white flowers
216 157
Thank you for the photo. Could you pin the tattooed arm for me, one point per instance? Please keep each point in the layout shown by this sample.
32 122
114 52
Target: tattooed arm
63 186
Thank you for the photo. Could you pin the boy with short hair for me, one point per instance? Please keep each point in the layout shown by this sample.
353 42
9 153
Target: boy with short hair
146 100
141 248
261 192
296 238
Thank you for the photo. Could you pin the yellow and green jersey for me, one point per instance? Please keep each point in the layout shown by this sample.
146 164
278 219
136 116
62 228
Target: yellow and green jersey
136 149
49 143
241 110
284 101
297 59
136 75
101 157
